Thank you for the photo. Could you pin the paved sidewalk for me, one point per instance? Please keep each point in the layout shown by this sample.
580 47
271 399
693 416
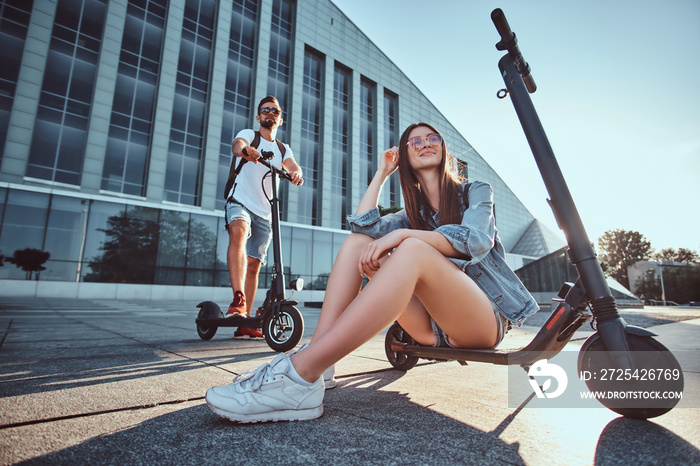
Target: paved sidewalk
123 382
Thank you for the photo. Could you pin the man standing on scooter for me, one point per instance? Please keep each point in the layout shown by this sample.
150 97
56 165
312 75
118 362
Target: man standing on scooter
248 217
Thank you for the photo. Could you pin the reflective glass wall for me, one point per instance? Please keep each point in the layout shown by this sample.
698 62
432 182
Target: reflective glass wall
96 240
548 273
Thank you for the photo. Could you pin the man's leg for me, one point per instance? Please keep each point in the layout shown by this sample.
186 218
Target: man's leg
251 283
256 250
237 262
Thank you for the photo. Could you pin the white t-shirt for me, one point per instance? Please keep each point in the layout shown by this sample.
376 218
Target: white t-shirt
248 188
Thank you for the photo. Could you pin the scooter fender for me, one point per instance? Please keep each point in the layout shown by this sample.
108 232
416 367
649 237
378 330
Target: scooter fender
631 329
209 310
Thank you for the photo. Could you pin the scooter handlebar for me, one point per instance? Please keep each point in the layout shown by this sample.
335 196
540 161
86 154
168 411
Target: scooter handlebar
502 26
510 43
265 157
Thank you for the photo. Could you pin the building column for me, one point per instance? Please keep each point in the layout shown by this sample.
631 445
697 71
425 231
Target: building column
28 92
105 85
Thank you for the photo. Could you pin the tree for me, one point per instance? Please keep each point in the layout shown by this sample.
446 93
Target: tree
30 260
649 285
620 249
684 255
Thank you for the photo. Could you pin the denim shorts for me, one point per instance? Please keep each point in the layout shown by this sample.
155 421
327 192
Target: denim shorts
502 323
259 230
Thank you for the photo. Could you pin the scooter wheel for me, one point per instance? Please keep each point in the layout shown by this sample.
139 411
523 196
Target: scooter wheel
656 372
283 332
398 359
208 310
206 333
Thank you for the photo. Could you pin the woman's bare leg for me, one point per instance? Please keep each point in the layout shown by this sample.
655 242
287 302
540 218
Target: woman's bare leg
452 298
344 282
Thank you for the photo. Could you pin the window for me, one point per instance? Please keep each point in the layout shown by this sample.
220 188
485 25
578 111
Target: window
66 94
184 165
239 88
340 156
132 111
279 69
310 154
391 139
367 136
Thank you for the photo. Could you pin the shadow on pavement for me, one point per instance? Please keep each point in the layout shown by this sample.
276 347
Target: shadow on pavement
637 441
20 376
364 422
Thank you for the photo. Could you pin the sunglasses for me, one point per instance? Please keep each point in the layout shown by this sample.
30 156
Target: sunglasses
268 110
417 142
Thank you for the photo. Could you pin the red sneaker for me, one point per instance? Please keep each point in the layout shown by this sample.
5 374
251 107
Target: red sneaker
252 333
237 307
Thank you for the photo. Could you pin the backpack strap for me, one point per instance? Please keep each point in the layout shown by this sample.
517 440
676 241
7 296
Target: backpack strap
234 170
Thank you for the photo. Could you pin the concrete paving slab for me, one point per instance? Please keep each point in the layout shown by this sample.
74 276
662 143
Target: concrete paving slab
131 390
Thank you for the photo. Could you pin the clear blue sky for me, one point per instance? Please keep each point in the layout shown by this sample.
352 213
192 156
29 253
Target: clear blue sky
618 95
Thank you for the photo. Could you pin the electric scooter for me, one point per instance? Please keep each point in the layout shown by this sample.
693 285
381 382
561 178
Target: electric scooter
619 356
281 322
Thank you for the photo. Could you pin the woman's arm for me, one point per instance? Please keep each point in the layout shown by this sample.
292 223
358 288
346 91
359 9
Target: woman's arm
370 259
388 163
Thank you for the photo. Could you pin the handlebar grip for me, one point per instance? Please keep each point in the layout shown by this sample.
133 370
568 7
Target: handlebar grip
502 26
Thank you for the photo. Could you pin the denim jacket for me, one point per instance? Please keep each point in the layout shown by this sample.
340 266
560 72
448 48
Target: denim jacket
476 238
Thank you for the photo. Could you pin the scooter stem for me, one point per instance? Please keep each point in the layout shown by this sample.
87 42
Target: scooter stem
611 326
277 242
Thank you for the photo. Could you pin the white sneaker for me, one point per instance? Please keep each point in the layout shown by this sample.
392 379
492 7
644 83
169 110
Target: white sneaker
267 394
329 378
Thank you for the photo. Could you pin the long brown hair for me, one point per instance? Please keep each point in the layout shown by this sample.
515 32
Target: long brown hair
413 196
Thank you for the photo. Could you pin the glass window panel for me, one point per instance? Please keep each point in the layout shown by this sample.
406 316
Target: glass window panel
82 81
65 228
64 237
71 149
201 245
24 223
322 258
57 73
222 245
143 105
151 41
302 253
132 34
92 18
95 254
45 143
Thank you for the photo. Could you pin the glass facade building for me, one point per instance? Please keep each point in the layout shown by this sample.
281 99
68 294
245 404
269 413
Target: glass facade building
116 122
